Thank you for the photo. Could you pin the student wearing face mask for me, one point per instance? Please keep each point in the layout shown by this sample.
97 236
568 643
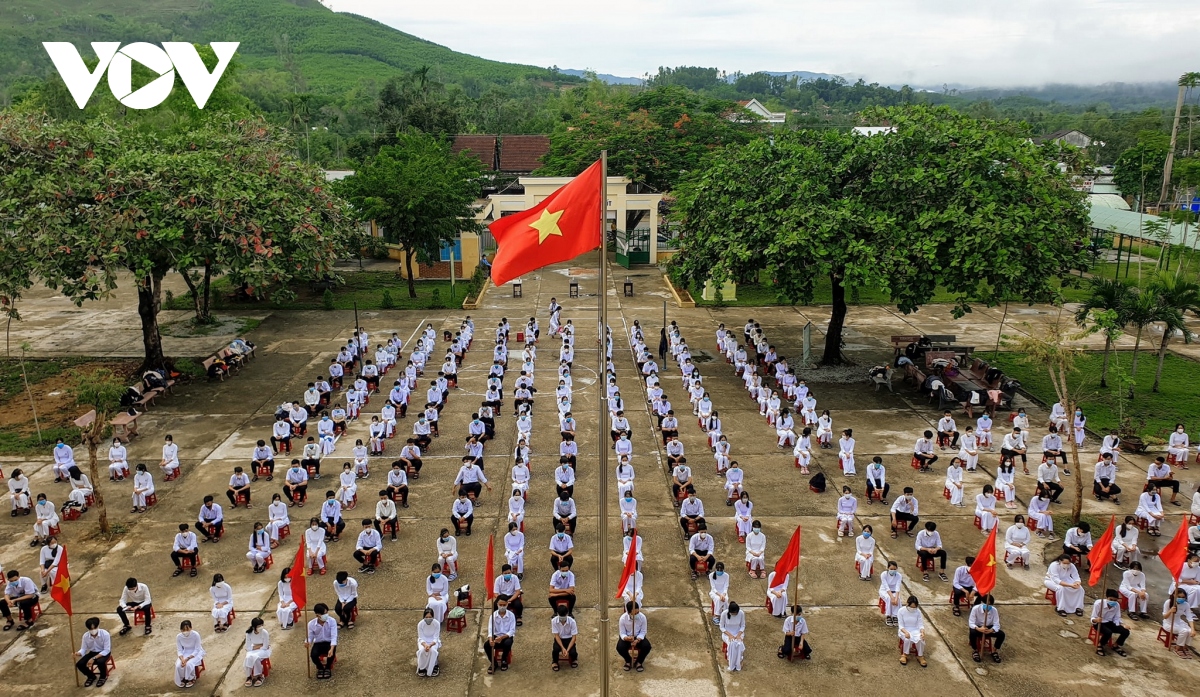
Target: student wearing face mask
322 641
929 548
700 547
462 514
1106 618
733 635
718 591
1078 540
984 623
565 512
1016 543
963 586
1189 580
629 514
756 551
954 482
1177 620
1150 510
1063 578
562 588
507 583
847 509
295 484
429 642
1125 543
184 547
565 632
1039 513
795 631
49 559
286 607
1177 447
911 630
1159 476
314 545
447 551
189 654
1133 587
222 597
93 654
905 509
632 644
502 627
259 548
864 553
258 649
437 588
889 592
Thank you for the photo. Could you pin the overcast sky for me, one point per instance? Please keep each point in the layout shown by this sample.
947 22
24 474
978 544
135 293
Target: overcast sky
921 42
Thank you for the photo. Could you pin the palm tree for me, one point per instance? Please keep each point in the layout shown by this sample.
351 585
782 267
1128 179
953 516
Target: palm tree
1108 295
1141 311
1175 298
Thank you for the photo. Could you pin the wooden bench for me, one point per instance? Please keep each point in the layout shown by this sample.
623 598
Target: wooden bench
148 397
125 426
899 342
86 420
208 364
941 339
231 359
931 356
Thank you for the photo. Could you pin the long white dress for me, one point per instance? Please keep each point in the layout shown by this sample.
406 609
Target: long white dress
222 596
438 591
777 595
189 653
864 555
733 633
258 649
428 633
1068 599
287 606
718 593
910 620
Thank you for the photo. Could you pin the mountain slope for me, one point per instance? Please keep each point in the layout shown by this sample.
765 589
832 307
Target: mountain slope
332 51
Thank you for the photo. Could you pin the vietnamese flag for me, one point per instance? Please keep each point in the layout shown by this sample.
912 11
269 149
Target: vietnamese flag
559 228
789 561
630 565
60 592
1175 553
298 578
984 568
489 574
1101 554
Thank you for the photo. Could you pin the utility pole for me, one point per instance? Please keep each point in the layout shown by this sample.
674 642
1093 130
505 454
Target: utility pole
1186 81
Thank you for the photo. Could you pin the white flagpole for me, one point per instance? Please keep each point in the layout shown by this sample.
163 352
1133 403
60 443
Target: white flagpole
602 321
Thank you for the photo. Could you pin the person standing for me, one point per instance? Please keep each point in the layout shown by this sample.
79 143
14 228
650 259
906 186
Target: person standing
93 653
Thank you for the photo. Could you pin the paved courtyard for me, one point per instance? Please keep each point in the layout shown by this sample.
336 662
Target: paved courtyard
216 425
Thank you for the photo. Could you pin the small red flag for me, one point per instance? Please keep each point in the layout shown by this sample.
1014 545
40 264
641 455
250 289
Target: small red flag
298 577
60 592
1101 554
559 228
1175 553
984 568
630 565
489 574
789 561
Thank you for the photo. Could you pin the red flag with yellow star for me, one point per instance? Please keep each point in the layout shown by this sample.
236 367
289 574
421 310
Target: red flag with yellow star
60 592
984 568
559 228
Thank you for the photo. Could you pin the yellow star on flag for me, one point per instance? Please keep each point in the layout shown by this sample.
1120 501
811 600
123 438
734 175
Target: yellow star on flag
991 560
547 225
64 585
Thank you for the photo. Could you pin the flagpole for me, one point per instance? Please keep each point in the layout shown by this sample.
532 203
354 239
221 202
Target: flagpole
602 321
304 644
71 634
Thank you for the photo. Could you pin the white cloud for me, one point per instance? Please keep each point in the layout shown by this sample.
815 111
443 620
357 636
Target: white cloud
927 42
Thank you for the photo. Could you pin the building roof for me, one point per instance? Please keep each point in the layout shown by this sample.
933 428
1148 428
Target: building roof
333 175
482 147
756 107
522 153
873 130
1131 223
1107 199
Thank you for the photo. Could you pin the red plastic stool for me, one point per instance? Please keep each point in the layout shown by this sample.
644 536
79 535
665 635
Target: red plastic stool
151 499
172 476
139 616
1051 596
946 493
456 624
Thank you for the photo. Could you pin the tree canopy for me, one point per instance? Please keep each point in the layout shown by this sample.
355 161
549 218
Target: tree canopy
944 201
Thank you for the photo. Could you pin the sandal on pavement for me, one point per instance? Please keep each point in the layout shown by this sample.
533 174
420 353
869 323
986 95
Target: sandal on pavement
996 656
626 667
975 657
1119 651
554 666
249 682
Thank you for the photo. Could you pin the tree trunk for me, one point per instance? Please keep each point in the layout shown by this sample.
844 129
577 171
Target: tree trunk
91 438
1104 369
1162 353
1077 505
412 286
149 303
1137 342
837 321
205 316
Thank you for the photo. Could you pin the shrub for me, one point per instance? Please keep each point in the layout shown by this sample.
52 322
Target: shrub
435 300
189 367
386 302
327 299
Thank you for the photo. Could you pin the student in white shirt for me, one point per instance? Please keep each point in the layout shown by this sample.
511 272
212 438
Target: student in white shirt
385 515
983 426
910 624
984 622
1106 619
285 609
64 459
189 654
429 642
1177 447
94 652
222 597
1150 509
1133 587
947 435
954 482
1104 481
1005 483
502 628
846 454
447 551
963 587
923 452
259 548
889 592
118 461
847 509
929 548
1125 542
985 509
322 641
905 509
258 649
795 631
718 591
1016 543
346 589
733 635
565 632
1039 513
368 547
632 645
864 553
968 449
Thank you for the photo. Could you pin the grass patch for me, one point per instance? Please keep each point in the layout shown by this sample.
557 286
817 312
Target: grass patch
763 294
364 288
27 443
11 382
1175 402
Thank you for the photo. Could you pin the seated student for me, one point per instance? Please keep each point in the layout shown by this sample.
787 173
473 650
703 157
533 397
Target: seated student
297 416
470 480
947 435
385 514
462 514
325 435
1016 543
1078 540
262 458
877 481
984 623
1013 447
1104 480
432 415
567 448
189 652
1160 476
20 592
18 492
135 598
565 632
428 643
118 461
46 518
1006 484
277 519
700 548
331 517
734 479
929 547
447 550
94 652
1125 543
890 583
681 479
1106 618
905 509
923 451
239 487
910 624
184 547
514 549
691 511
502 627
347 491
670 426
336 374
410 457
1133 587
368 547
963 587
362 459
985 509
1189 579
562 588
565 512
339 416
222 597
260 548
322 641
346 589
954 482
564 478
796 630
632 645
864 553
295 484
310 458
48 561
1039 513
211 520
1150 510
733 635
1063 578
1178 621
437 590
561 545
674 450
421 431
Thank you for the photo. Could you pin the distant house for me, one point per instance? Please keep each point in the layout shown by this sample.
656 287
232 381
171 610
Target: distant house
508 154
873 130
755 107
1069 136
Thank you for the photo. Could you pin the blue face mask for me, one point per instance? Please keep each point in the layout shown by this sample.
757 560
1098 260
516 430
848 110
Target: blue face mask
1180 601
507 577
1112 603
61 445
719 573
437 576
562 535
867 535
628 498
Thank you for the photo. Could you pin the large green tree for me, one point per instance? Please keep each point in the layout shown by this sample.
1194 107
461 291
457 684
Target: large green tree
1106 306
419 191
654 137
90 201
943 201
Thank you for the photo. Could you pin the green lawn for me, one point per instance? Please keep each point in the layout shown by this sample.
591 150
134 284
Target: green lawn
11 382
1175 402
366 288
763 294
